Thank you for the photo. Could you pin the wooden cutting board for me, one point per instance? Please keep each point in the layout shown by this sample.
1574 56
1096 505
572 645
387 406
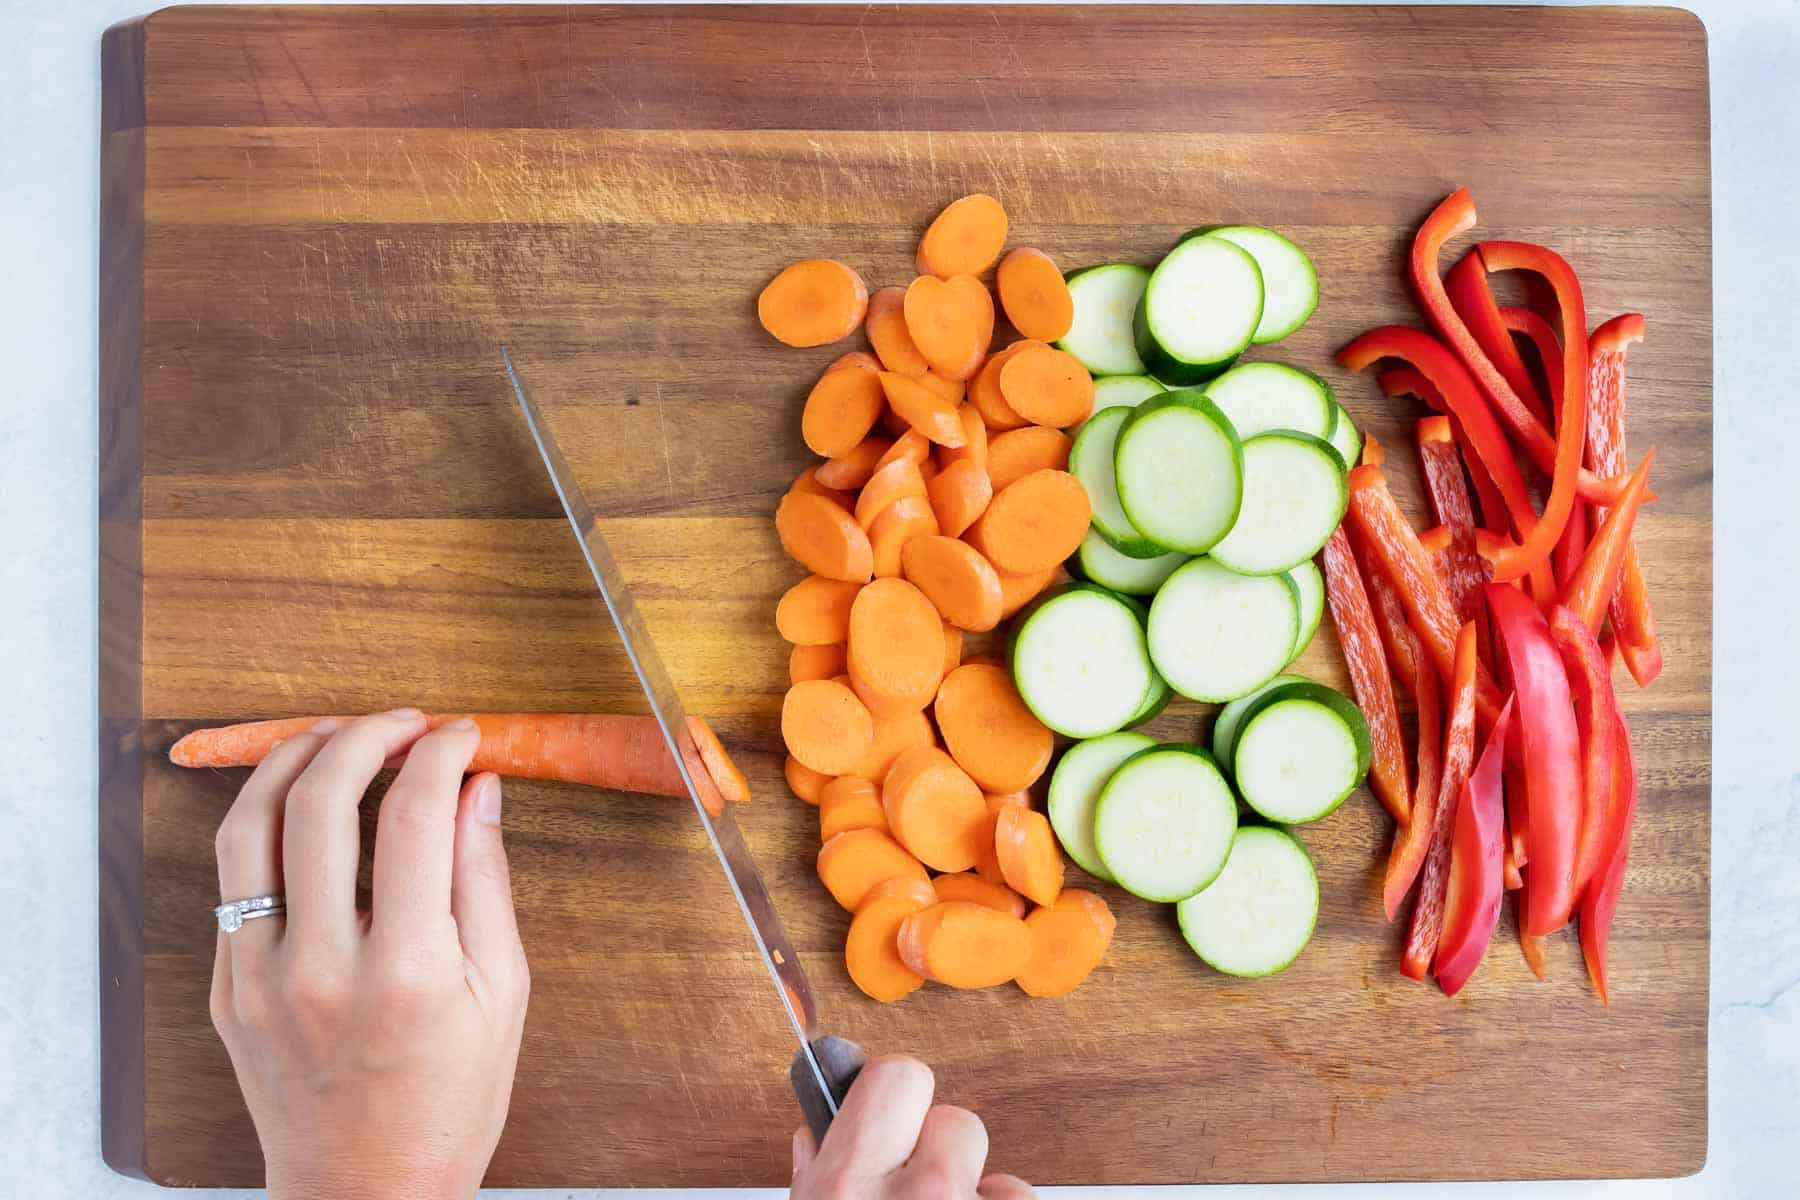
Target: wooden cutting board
319 225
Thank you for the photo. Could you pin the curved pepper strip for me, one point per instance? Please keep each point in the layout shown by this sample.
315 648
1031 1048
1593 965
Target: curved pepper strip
1597 579
1459 755
1602 898
1527 322
1396 382
1463 400
1550 749
1598 722
1633 624
1466 285
1452 217
1477 866
1369 678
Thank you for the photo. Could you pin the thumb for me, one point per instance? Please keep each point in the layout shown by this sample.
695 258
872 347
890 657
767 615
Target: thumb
805 1150
481 886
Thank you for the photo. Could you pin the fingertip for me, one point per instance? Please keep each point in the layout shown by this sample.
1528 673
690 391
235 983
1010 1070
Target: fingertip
805 1149
482 797
900 1074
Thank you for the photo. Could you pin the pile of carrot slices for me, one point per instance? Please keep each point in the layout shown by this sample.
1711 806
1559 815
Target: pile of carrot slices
1503 619
941 507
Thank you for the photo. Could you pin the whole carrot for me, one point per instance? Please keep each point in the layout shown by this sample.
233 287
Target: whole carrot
625 753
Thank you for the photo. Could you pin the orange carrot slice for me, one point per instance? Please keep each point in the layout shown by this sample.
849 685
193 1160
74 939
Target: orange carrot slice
899 523
905 887
1016 591
855 358
1019 452
959 494
963 945
849 803
989 731
824 538
803 781
816 612
852 469
975 440
841 408
812 303
964 239
951 322
952 648
809 483
949 390
1034 524
1033 293
893 424
825 726
988 867
854 862
1047 386
985 394
896 481
973 889
822 660
872 947
894 735
934 809
896 647
1030 861
1068 940
910 444
886 327
930 414
962 585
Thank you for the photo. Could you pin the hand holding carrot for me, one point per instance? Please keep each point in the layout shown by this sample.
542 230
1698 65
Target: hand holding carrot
890 1141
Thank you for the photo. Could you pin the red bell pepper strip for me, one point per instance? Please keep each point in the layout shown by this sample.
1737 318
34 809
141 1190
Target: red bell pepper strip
1549 351
1369 678
1454 215
1477 866
1406 656
1373 455
1596 580
1633 624
1397 382
1598 722
1531 945
1459 756
1550 749
1434 360
1466 285
1566 558
1602 898
1441 467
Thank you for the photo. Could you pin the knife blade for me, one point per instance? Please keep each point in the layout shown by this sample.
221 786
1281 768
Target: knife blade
825 1067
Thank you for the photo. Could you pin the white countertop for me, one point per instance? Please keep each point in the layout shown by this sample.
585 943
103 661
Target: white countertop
49 1013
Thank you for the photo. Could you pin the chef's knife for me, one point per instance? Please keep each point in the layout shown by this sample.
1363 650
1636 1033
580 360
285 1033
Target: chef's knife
825 1067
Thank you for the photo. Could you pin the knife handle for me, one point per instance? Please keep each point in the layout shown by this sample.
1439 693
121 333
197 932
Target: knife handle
841 1060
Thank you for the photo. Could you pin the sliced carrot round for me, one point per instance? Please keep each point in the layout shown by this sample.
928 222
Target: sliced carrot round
911 444
959 494
813 302
886 327
872 948
821 660
964 239
961 585
953 640
989 731
896 481
1034 524
963 945
854 862
1033 293
849 803
951 322
809 483
894 735
1047 386
988 866
899 523
985 394
896 647
805 782
929 414
1068 940
903 887
928 471
893 424
934 809
824 538
853 468
826 726
1019 590
975 440
951 390
1030 860
972 888
841 409
1017 453
816 612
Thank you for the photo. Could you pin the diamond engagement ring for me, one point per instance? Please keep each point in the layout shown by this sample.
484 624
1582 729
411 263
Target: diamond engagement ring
233 914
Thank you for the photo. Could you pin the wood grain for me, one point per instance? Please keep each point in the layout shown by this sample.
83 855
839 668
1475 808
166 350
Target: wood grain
320 223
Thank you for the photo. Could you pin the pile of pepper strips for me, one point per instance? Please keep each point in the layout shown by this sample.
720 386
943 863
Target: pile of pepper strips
1503 628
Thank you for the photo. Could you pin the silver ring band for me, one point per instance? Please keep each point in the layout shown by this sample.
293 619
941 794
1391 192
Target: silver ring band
232 914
